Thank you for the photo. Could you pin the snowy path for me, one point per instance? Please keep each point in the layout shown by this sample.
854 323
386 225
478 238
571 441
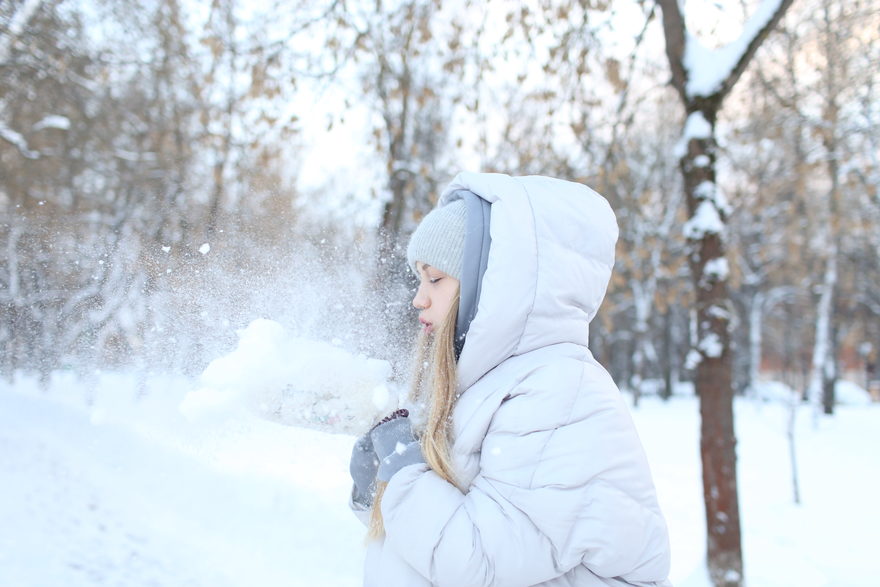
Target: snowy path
131 494
85 504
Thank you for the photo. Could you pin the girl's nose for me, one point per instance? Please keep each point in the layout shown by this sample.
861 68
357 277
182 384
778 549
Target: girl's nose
420 301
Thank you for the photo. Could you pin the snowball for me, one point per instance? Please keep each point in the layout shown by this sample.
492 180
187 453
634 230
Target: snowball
204 248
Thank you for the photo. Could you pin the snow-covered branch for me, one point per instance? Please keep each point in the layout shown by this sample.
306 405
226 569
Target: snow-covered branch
700 72
715 71
18 141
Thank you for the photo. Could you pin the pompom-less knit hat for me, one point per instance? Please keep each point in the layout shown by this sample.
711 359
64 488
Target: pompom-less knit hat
439 239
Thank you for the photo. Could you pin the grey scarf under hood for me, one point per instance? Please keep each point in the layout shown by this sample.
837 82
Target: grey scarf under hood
475 256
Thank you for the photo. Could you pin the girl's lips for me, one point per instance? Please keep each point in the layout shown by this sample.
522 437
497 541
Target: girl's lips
428 326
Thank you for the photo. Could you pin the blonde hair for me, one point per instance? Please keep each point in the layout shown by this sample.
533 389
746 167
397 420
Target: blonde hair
434 386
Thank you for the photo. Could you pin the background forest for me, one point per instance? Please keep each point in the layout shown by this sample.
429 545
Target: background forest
171 170
167 168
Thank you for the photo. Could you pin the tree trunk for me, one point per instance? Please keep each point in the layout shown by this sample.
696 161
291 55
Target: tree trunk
826 373
829 374
756 335
670 374
640 331
792 452
822 341
714 372
709 270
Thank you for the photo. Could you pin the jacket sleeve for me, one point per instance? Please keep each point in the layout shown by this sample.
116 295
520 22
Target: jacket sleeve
544 502
455 539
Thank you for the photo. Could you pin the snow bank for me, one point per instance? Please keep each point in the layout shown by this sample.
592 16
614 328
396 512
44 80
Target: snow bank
846 393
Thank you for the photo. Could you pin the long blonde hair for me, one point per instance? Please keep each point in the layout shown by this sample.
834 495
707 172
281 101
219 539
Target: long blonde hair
434 386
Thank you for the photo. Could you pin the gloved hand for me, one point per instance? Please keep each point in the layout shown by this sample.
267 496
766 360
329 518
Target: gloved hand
396 446
363 467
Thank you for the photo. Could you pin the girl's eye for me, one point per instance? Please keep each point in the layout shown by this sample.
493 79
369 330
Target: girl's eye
434 279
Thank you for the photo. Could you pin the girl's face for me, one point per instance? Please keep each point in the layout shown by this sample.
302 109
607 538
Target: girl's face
434 297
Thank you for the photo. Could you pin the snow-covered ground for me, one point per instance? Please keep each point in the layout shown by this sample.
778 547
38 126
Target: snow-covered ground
101 486
137 495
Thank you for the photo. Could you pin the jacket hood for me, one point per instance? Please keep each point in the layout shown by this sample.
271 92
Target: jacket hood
549 263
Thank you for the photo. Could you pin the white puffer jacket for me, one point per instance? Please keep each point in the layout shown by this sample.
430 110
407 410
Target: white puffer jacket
554 485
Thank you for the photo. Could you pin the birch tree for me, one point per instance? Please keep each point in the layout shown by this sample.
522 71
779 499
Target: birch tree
820 77
843 33
703 77
642 184
769 167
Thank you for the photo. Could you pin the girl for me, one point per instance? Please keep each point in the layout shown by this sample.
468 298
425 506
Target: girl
519 464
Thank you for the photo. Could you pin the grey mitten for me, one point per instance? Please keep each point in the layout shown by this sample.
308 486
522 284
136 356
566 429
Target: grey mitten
363 467
396 446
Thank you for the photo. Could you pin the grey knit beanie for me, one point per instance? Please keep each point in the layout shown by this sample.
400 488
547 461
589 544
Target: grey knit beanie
439 239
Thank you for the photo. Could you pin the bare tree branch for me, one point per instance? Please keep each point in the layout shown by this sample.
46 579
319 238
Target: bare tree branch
674 29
